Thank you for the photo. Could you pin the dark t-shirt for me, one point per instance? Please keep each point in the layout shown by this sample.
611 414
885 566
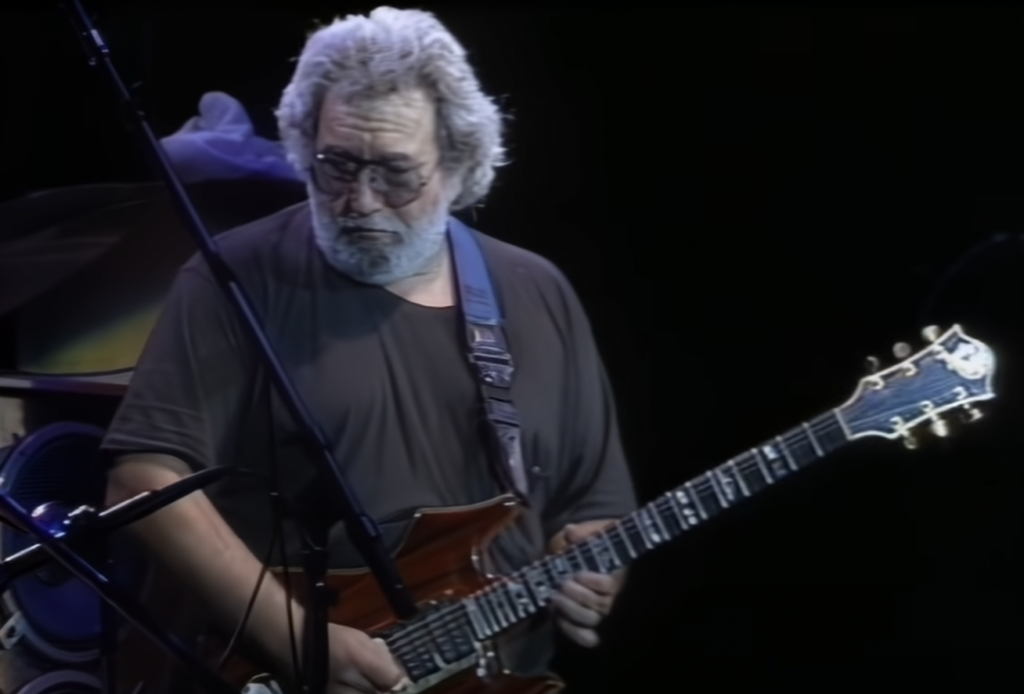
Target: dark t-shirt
389 383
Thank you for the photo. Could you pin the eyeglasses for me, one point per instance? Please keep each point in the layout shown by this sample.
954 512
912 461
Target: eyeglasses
338 175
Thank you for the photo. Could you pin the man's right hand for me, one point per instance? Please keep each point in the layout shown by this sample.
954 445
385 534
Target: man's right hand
360 664
193 540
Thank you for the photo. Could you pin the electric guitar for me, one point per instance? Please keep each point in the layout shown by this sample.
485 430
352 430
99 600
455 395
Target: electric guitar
449 647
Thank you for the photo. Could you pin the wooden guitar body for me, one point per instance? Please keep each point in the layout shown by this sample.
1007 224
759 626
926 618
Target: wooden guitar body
440 559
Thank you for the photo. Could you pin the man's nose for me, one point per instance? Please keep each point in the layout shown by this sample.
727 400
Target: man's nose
362 200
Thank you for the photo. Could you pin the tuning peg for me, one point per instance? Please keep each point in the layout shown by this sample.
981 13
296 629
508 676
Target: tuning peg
931 333
940 428
901 350
971 413
909 441
872 365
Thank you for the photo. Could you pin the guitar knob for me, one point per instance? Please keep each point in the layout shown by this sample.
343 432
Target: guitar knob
971 413
872 365
940 428
901 350
931 333
909 441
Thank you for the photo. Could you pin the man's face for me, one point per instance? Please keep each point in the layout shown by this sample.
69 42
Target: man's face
380 198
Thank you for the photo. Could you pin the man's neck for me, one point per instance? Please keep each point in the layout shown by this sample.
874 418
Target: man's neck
434 287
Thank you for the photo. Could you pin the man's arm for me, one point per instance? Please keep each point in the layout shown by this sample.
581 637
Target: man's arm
194 542
184 411
595 488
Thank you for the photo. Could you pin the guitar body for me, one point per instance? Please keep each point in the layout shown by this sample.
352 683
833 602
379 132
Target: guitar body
440 558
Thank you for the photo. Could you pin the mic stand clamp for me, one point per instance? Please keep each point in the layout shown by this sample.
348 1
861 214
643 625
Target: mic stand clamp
316 644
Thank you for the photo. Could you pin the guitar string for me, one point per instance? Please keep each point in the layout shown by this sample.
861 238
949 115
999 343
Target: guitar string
415 636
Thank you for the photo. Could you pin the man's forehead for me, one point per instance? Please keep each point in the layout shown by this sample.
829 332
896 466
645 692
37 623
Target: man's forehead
398 121
385 119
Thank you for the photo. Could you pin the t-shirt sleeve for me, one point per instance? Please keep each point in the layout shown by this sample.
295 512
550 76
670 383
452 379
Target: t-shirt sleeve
596 483
187 389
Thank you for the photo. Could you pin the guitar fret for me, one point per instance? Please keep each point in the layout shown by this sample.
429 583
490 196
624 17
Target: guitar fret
801 447
638 532
647 529
419 663
491 610
621 532
830 432
696 501
761 466
738 476
560 567
536 578
507 614
668 515
708 494
519 598
717 489
785 452
458 635
574 561
686 507
481 626
777 466
636 535
752 473
728 483
504 594
612 561
814 441
589 558
677 509
655 517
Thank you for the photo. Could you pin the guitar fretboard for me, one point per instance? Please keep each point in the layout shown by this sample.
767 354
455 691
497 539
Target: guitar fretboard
450 634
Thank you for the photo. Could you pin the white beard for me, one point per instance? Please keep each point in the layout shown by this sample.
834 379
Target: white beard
408 250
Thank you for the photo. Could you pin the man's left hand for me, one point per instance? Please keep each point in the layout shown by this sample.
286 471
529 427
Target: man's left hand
586 599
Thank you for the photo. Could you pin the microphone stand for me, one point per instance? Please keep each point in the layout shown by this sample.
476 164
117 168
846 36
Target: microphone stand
362 530
113 595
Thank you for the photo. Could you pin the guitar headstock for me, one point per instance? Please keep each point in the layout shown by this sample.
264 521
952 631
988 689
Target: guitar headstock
949 375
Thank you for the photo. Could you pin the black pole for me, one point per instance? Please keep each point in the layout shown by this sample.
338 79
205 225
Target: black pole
361 528
110 629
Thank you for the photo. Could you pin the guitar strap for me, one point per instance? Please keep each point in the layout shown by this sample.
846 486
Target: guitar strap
489 355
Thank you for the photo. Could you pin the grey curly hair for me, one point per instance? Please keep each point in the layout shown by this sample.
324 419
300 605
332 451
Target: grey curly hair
366 56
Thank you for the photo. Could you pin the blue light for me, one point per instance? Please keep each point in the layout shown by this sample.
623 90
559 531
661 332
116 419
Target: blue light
52 517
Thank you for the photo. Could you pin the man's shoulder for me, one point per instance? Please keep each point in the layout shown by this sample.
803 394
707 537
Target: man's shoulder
519 264
528 283
259 239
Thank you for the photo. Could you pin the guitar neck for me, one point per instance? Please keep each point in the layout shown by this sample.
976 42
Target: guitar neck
448 635
529 590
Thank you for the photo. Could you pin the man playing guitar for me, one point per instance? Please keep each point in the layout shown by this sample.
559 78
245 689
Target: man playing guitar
387 123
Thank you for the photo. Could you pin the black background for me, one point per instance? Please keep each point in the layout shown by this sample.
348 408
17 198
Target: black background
750 199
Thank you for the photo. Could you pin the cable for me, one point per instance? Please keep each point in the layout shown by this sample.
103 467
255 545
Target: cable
275 477
956 268
268 557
